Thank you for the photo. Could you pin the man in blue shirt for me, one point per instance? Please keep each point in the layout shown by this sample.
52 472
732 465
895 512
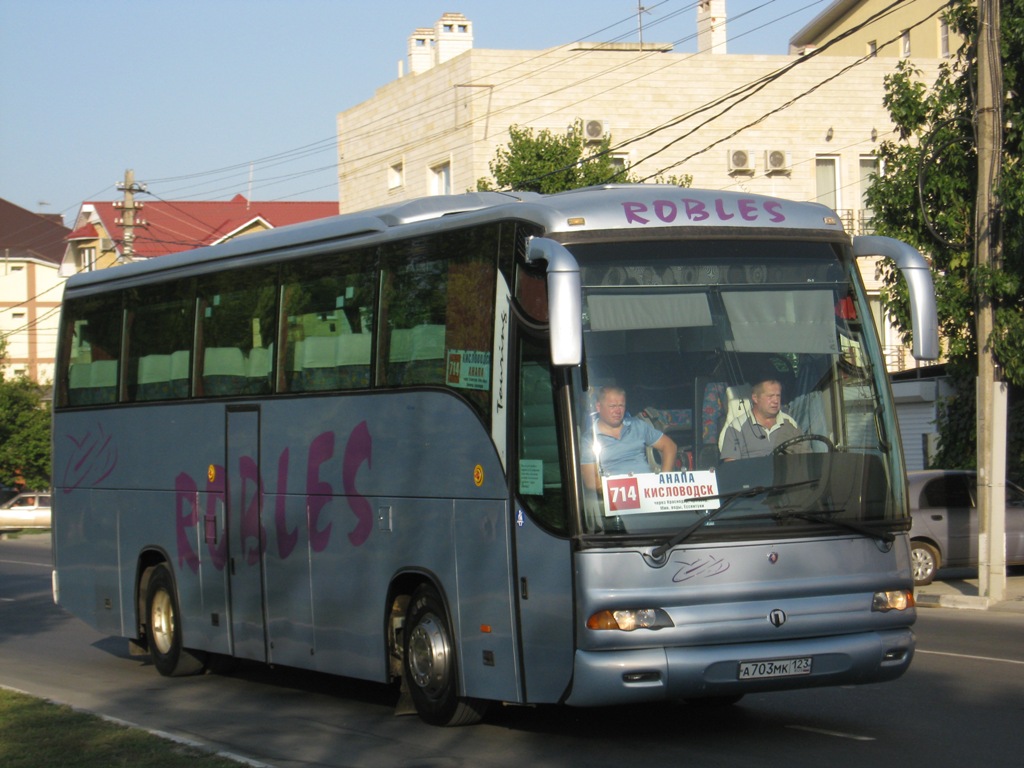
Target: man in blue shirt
616 444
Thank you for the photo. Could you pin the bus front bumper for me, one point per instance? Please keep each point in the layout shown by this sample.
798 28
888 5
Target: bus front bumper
629 676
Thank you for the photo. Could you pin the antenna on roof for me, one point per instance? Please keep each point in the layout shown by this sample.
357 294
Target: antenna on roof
640 11
248 197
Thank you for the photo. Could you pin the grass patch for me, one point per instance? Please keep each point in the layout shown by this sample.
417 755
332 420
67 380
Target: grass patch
36 733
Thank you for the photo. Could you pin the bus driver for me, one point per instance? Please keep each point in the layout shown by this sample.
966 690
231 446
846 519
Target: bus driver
766 428
621 441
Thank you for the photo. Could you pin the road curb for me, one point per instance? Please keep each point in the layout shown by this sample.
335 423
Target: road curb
968 602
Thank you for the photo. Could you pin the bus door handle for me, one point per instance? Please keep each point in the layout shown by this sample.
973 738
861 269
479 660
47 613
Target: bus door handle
524 590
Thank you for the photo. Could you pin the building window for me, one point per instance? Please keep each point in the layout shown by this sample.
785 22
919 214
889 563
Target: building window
905 44
868 166
872 48
620 162
826 176
943 38
396 175
85 259
441 177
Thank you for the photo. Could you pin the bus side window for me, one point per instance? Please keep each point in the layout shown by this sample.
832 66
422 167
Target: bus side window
437 309
237 326
328 324
159 348
91 350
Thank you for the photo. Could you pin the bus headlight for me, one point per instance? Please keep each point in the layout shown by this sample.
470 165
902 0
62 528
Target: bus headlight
628 620
896 600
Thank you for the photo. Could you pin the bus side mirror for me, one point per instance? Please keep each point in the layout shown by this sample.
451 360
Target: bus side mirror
565 299
918 274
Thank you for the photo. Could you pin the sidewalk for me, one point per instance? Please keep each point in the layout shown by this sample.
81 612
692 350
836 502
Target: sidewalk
959 589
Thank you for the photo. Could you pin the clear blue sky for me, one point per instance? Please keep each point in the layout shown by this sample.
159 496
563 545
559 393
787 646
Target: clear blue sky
188 93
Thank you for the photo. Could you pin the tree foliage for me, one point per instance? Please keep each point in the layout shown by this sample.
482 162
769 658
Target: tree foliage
24 433
549 162
926 196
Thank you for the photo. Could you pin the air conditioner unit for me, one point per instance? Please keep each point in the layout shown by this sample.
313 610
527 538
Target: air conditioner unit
595 130
741 161
777 161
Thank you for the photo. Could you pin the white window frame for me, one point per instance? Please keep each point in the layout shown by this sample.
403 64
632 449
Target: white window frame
943 38
823 197
441 178
863 182
396 174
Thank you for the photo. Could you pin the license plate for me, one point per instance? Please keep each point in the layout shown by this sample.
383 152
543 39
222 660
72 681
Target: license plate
753 670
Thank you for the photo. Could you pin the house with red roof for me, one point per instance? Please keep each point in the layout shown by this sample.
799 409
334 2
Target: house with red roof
31 248
161 227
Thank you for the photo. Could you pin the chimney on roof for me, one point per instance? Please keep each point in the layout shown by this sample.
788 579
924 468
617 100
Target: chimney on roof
450 36
454 35
421 50
711 37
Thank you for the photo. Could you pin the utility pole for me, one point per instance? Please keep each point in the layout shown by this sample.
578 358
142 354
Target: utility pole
991 416
127 220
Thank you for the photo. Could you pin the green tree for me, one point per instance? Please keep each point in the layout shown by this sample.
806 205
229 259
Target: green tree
550 162
24 432
926 196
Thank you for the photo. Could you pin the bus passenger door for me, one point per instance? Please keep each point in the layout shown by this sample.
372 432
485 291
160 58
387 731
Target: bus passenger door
246 539
544 585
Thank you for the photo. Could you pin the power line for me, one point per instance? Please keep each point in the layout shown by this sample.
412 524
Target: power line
786 105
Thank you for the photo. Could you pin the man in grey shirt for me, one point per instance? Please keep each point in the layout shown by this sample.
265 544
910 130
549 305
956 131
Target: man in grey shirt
765 429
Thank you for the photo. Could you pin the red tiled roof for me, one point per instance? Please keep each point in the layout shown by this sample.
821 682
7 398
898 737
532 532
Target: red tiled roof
86 232
173 226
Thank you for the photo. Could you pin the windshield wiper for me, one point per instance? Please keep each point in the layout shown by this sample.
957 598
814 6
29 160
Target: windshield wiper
825 518
659 552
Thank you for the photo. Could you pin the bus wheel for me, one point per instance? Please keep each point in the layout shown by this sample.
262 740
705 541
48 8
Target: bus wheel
164 629
429 664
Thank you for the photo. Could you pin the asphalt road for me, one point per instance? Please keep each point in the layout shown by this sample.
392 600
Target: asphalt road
960 704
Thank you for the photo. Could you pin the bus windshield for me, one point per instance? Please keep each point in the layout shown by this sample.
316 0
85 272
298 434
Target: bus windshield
732 386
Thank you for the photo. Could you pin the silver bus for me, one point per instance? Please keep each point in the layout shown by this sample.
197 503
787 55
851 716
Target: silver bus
361 446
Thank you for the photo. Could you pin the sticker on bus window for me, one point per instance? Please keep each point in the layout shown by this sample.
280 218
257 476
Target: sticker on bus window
531 477
468 369
659 492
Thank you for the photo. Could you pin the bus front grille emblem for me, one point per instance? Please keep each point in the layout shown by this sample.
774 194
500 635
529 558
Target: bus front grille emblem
777 617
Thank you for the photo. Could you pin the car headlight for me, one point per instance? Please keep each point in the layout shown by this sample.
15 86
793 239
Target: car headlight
895 600
628 620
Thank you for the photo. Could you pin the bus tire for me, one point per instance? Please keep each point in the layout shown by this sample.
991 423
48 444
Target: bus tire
163 629
429 664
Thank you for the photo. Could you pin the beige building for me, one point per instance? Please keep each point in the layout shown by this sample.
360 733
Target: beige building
30 296
804 127
914 29
31 289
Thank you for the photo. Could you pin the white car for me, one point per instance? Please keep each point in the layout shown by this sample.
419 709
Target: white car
29 509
